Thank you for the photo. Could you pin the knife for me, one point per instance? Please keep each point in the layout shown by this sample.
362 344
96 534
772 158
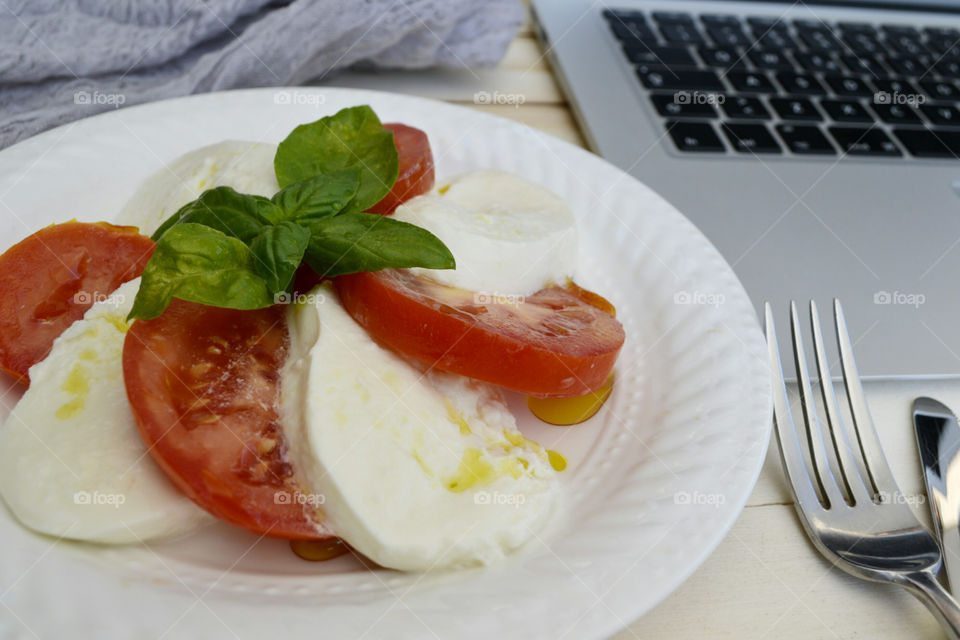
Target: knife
938 439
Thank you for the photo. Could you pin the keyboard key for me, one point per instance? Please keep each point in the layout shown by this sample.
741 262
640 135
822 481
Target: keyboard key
856 27
897 113
672 17
942 47
623 15
730 35
862 43
660 77
906 44
950 50
917 66
817 36
948 68
942 32
751 138
846 111
720 57
817 62
800 84
864 63
669 56
772 34
805 139
630 33
683 105
942 40
848 85
716 19
679 32
924 143
751 82
890 30
774 40
694 136
894 86
772 27
765 22
772 60
795 109
744 108
942 114
940 89
861 141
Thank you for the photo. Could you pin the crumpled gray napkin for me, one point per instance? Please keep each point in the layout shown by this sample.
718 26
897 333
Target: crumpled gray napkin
61 60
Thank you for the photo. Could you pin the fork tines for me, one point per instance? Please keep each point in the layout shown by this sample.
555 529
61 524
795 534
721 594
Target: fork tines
836 472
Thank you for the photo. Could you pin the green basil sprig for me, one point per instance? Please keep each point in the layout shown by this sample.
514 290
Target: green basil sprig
353 137
201 264
240 251
353 242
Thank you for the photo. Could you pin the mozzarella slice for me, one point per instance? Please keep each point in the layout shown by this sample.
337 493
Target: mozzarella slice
415 471
72 463
509 236
245 166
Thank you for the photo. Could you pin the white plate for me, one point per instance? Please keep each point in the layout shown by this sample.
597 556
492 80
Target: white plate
655 481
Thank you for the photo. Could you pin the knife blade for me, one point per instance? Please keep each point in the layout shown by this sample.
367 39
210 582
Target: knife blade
938 441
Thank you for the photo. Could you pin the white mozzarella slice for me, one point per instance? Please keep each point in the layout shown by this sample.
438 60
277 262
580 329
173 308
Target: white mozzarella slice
415 471
245 166
509 236
72 463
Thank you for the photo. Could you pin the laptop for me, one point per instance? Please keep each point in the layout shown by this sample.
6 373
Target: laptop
817 145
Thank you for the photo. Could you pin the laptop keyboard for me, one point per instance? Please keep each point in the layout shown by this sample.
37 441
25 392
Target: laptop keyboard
770 86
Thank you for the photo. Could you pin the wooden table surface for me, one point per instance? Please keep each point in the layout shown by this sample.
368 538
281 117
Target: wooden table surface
764 580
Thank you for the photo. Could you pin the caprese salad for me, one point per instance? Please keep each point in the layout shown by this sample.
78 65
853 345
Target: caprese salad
308 340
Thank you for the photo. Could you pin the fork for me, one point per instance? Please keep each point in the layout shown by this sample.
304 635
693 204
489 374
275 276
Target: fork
844 501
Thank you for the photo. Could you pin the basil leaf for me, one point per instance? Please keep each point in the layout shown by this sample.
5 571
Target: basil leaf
325 195
224 209
352 242
352 137
169 222
196 263
278 250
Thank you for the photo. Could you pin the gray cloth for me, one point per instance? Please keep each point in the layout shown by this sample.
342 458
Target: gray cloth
61 60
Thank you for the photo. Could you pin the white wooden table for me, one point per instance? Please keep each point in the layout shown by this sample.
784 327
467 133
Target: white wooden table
764 580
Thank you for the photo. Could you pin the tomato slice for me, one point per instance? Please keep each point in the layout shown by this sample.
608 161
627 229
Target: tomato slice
552 344
203 384
416 168
52 277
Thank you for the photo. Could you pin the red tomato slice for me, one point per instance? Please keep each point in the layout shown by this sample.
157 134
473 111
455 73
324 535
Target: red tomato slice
52 277
416 168
553 344
203 384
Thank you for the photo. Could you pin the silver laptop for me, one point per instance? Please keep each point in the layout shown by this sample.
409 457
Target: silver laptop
817 145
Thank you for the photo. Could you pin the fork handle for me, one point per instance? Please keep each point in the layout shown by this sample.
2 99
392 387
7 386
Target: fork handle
925 586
